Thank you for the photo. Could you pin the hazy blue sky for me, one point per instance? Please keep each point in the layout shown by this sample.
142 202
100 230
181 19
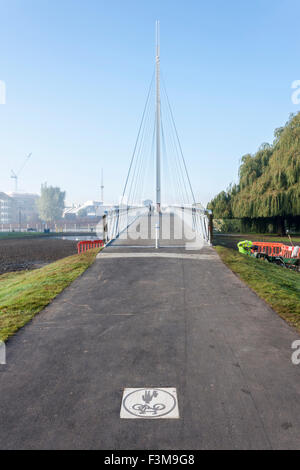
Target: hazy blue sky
77 74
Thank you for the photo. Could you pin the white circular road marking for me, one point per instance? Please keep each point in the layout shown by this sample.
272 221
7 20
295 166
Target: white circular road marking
149 403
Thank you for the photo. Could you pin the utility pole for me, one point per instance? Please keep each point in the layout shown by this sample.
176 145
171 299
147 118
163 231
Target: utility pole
158 117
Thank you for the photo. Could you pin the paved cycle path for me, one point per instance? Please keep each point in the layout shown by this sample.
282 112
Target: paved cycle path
139 319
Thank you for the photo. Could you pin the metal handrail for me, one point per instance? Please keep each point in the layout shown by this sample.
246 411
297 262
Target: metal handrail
118 219
197 218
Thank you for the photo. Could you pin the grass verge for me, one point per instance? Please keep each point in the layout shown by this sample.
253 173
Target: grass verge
12 235
274 238
278 286
260 237
24 294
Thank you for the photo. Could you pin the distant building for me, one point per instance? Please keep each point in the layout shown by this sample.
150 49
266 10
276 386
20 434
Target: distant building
88 209
24 207
148 202
7 209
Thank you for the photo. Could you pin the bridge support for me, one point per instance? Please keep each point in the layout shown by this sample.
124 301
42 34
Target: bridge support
158 125
156 236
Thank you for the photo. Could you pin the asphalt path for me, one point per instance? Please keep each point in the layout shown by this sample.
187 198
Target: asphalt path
146 318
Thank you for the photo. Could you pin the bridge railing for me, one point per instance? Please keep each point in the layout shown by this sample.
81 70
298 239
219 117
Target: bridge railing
118 219
197 218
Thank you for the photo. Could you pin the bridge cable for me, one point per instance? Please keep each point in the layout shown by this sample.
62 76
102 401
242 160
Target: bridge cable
177 136
137 139
177 166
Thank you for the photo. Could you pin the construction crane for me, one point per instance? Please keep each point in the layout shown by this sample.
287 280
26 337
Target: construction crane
15 176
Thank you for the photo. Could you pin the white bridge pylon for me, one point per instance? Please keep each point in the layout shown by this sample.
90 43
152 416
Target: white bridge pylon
158 156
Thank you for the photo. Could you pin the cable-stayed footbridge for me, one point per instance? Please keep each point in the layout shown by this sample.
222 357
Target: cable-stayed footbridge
158 172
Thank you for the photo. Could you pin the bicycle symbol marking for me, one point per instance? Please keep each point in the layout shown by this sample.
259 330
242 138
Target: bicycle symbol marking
151 403
143 409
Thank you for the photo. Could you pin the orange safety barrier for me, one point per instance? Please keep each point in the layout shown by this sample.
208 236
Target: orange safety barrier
88 245
269 248
275 249
287 252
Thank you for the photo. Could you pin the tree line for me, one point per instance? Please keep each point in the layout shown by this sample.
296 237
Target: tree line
267 196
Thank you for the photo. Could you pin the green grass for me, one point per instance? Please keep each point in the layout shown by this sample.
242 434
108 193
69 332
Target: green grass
278 286
274 238
11 235
261 237
24 294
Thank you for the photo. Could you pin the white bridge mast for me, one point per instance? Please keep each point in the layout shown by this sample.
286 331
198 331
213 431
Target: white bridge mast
158 129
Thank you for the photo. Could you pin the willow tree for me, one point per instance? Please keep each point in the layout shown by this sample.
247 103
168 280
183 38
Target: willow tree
221 205
269 182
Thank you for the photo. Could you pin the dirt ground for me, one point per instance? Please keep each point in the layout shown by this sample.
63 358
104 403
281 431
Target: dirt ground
20 254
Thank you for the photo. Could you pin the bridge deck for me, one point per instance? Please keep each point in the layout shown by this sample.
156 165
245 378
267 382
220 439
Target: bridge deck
174 235
179 320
